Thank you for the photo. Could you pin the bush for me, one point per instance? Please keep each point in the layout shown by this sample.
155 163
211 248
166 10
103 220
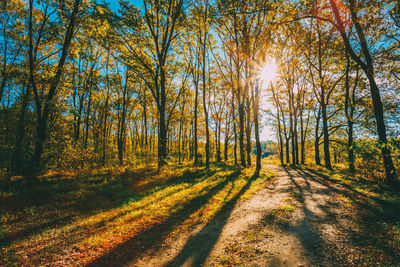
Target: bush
368 158
70 156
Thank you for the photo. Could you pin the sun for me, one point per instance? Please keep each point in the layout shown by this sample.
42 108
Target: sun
268 71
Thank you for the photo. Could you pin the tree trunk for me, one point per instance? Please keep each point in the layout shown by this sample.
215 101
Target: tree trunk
280 140
234 128
180 132
302 138
195 146
241 131
327 156
287 151
87 119
291 128
351 148
296 141
219 140
349 111
145 119
121 132
226 142
162 137
248 130
381 128
19 161
256 99
205 109
316 138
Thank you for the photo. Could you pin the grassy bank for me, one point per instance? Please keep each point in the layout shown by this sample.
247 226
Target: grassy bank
95 216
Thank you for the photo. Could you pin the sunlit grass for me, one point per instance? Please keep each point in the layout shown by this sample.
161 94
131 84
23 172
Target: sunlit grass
98 211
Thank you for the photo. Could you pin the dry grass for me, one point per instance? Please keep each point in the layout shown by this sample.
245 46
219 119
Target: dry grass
77 218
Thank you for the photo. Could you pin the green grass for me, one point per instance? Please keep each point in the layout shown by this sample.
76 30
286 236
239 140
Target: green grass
76 218
288 208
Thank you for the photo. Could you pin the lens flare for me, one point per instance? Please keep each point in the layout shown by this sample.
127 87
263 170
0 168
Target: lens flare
269 71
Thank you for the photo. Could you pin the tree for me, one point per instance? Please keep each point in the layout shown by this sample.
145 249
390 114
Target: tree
45 106
365 61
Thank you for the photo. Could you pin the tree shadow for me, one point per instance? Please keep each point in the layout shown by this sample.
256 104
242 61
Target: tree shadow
311 237
154 236
305 230
387 210
99 195
373 214
199 246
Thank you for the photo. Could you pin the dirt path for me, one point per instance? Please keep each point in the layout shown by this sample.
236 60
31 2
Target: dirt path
293 222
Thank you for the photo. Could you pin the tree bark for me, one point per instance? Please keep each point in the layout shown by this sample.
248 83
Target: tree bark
256 99
248 129
195 145
316 138
325 129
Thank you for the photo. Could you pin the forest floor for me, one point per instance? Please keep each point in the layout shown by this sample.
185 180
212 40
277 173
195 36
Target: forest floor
189 216
304 218
112 215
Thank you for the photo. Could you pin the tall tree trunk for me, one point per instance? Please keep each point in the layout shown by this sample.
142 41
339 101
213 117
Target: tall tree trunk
162 136
219 140
195 145
234 126
145 119
349 111
287 151
302 138
87 119
235 144
256 99
121 136
296 141
248 129
226 142
280 140
241 130
180 132
381 128
327 155
291 128
206 113
104 148
316 138
19 161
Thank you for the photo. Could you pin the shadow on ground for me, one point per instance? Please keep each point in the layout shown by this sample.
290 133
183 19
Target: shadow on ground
357 225
154 236
199 246
56 202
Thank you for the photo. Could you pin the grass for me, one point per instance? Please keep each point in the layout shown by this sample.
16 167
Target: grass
74 219
285 208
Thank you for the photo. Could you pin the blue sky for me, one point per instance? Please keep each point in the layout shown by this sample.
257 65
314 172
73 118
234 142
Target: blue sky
114 3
